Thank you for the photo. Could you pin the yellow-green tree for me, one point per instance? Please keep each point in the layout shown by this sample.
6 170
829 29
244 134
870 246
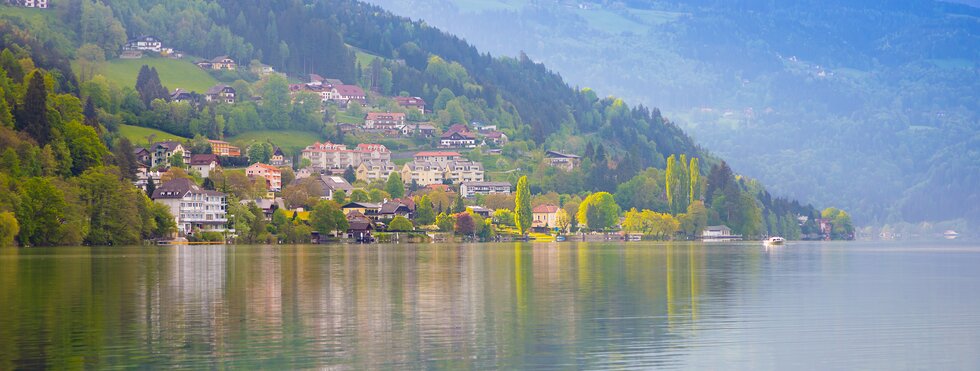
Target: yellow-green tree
522 206
598 211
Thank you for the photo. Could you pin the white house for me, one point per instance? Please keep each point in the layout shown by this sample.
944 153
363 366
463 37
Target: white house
470 189
193 207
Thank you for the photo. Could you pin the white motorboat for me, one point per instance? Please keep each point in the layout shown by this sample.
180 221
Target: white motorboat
775 240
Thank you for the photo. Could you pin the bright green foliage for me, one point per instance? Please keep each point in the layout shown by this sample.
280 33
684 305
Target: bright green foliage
359 195
445 222
458 205
504 217
424 214
598 211
694 220
340 197
87 150
327 217
649 222
100 27
8 228
400 223
377 195
395 187
42 207
644 191
695 174
841 222
109 223
678 184
280 221
522 206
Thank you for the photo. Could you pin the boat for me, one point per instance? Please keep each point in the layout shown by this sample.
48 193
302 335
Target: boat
560 239
775 240
950 234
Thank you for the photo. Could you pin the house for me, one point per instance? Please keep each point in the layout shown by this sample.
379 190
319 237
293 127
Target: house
562 161
392 208
359 227
222 148
262 69
347 128
220 93
194 208
438 157
204 163
40 4
145 175
414 103
336 156
423 173
279 158
332 184
718 232
457 139
495 137
218 63
180 95
421 130
372 170
272 175
481 211
143 155
162 151
144 43
470 189
348 93
267 205
383 120
461 171
368 209
544 216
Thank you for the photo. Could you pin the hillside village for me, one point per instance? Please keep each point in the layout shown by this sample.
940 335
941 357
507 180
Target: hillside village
241 152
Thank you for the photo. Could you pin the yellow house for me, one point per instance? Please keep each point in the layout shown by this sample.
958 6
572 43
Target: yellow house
423 173
544 216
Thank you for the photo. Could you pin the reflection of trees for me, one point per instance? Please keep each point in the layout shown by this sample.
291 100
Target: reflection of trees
478 306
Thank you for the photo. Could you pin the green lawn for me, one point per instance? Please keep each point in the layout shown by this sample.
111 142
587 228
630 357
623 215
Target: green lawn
364 58
138 135
480 6
289 140
343 117
174 73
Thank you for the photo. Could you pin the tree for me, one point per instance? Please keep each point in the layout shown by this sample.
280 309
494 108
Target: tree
340 197
678 184
350 175
378 196
8 228
464 224
694 220
111 222
327 217
85 146
598 211
458 205
400 223
32 116
424 214
359 195
90 59
176 160
99 27
522 206
562 221
41 210
695 174
445 222
395 187
840 222
149 87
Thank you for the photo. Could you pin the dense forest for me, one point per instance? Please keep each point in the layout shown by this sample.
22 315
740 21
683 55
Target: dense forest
76 136
866 104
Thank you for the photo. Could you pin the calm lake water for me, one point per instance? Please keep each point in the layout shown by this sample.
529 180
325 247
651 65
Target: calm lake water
494 306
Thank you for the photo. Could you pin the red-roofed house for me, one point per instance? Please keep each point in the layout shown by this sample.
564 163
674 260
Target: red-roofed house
272 175
411 103
458 136
545 216
347 93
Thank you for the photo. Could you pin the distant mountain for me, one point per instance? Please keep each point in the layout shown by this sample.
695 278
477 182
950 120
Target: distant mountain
870 105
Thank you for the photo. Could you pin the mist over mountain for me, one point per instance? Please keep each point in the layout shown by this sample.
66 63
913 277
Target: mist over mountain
868 105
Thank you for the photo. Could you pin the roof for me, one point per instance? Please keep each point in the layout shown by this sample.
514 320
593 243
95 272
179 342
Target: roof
485 184
441 187
717 228
204 159
437 154
377 115
556 154
178 188
349 90
218 88
372 147
265 166
550 209
137 150
265 203
335 183
220 58
361 205
392 207
410 101
278 152
464 134
169 145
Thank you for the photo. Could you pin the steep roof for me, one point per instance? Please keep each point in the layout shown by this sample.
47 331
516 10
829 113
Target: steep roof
169 145
335 183
556 154
178 188
217 89
349 90
549 209
204 159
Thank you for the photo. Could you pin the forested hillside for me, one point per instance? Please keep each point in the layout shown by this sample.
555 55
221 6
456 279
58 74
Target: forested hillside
867 104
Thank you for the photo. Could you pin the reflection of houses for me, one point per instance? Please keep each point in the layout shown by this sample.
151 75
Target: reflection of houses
544 216
470 189
562 161
719 233
415 103
204 164
272 175
193 207
222 148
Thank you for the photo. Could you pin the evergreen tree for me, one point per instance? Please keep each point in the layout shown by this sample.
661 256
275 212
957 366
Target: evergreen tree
522 206
350 175
395 187
32 116
424 214
458 205
149 87
91 116
125 158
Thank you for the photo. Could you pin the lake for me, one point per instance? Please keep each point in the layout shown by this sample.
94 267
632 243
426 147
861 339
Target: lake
568 305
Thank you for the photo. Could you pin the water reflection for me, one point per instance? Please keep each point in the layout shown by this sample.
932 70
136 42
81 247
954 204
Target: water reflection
506 306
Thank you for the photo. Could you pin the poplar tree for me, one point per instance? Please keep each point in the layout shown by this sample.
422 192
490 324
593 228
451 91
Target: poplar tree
671 182
695 174
522 207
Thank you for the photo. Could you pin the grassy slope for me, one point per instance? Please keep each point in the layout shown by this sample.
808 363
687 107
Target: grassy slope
138 135
174 73
290 140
